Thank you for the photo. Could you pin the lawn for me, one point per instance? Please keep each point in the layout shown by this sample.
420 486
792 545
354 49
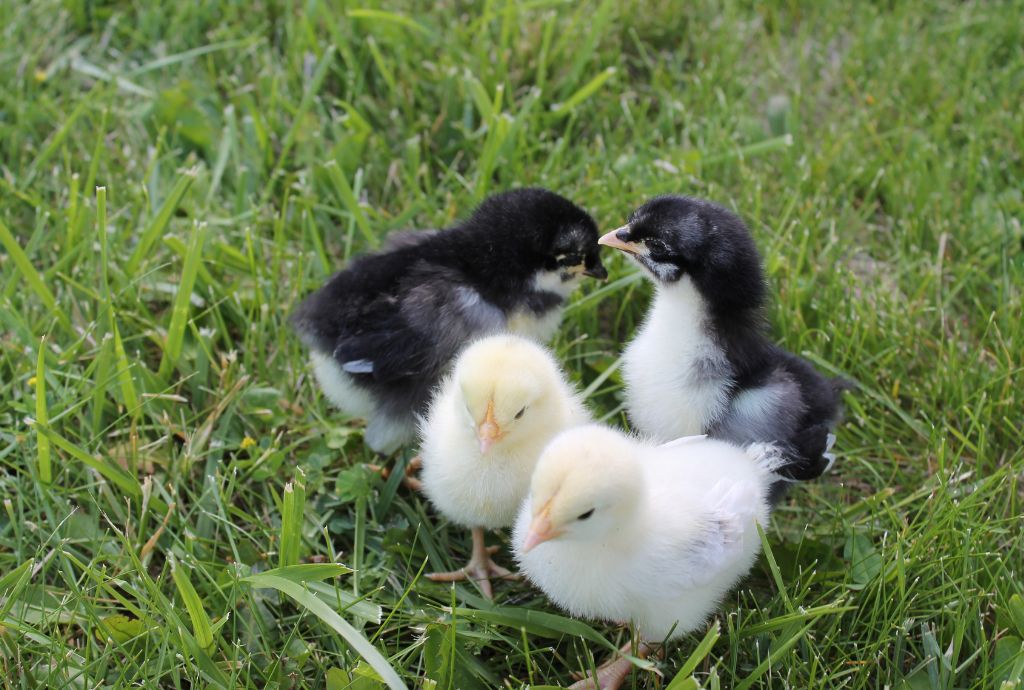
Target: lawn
176 176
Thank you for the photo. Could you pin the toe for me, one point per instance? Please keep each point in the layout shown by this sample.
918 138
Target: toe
451 576
384 472
483 581
496 571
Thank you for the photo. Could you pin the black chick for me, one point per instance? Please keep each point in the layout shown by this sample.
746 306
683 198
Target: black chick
383 331
703 363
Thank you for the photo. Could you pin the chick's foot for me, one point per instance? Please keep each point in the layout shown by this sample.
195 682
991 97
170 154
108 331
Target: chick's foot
408 480
480 569
612 673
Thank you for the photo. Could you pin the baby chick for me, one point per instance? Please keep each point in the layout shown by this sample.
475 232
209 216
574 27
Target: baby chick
703 361
505 399
383 331
622 530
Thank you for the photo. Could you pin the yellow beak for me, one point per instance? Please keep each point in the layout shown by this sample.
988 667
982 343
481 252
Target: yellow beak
611 239
541 529
488 432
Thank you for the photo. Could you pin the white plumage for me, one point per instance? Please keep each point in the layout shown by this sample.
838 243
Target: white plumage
622 530
486 427
384 434
668 391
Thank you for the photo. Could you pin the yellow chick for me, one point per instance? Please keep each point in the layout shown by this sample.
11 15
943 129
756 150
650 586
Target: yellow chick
488 423
619 529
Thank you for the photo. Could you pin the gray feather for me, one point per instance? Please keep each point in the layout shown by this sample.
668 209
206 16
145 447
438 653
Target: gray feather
358 366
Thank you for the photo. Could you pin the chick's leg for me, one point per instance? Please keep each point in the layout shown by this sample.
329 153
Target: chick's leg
409 480
480 567
612 673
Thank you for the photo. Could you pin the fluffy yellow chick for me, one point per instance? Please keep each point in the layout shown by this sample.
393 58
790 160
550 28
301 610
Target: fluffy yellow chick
618 529
504 400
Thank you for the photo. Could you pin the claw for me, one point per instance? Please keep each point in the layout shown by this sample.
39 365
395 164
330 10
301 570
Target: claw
480 569
408 480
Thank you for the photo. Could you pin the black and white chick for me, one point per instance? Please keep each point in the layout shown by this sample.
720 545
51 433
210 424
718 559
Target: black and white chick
703 361
384 331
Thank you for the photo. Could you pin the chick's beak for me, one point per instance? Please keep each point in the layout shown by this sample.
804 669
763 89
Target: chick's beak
597 271
541 530
615 241
488 432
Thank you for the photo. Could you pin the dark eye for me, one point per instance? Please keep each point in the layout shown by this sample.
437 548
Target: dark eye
586 515
520 413
570 260
657 246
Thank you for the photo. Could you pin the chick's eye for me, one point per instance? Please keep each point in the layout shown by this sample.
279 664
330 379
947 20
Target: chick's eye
585 516
570 260
656 245
520 413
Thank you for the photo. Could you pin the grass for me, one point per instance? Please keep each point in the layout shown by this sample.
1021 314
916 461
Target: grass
174 177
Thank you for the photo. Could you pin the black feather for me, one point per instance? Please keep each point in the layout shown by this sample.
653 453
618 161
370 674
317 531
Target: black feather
394 320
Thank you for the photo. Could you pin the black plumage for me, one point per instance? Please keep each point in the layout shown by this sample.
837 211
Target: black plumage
384 330
764 393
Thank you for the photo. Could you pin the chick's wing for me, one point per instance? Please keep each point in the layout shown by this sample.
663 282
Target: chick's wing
714 538
419 330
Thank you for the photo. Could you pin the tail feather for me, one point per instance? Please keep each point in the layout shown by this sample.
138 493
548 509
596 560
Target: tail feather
807 455
829 456
841 383
767 456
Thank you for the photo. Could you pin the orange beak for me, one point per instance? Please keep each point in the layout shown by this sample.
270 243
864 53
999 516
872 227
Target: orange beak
488 432
611 239
541 529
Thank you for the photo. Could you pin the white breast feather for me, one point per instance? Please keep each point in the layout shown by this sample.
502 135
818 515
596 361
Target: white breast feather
543 327
664 396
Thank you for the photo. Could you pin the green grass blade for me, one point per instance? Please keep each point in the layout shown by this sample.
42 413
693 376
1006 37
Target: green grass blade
159 223
11 585
298 119
774 567
604 291
293 506
348 199
101 235
187 55
778 651
309 572
601 378
391 17
121 479
536 622
34 280
382 64
56 140
182 302
698 655
310 575
42 417
124 373
351 605
756 149
325 613
1015 607
202 628
583 93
